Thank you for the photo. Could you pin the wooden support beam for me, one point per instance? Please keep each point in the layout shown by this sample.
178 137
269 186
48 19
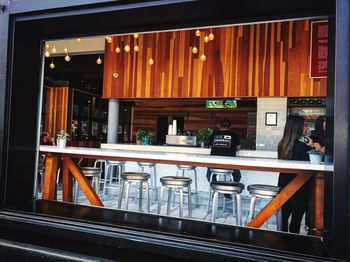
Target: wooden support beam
50 177
82 181
67 184
276 203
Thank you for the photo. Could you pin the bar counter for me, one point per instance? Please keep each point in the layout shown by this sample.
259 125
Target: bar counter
303 169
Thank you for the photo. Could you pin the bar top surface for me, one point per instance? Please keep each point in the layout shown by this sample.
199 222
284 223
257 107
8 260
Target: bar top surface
200 159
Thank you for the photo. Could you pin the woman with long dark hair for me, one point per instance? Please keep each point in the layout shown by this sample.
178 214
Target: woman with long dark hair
294 146
319 137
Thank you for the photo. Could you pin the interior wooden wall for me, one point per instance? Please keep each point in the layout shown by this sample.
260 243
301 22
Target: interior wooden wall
195 114
252 60
56 110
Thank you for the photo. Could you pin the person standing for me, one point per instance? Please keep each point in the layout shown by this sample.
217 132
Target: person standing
294 146
225 142
319 136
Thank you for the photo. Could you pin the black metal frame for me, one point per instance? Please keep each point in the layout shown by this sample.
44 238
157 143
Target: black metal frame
31 22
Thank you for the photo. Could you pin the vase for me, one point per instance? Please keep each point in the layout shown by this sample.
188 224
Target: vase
315 159
61 143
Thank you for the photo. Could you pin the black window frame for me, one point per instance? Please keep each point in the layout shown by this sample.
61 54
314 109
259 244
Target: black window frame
30 24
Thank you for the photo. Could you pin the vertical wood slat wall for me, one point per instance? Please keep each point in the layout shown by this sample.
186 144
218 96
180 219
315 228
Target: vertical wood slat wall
56 110
262 60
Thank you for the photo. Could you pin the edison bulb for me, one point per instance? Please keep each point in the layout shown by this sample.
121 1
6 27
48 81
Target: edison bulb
47 54
127 48
65 51
211 36
99 61
203 57
117 50
206 39
109 39
47 46
136 35
194 50
78 40
136 48
150 61
52 65
67 58
198 33
54 50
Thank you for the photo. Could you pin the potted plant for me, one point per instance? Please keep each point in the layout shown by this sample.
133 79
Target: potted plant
62 138
203 136
139 136
315 156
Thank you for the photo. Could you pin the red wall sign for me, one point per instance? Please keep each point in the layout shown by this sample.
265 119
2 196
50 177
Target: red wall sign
319 49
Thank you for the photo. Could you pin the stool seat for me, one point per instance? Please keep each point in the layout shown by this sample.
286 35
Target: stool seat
91 171
259 191
264 190
115 162
135 176
176 181
146 164
227 186
231 188
220 171
183 167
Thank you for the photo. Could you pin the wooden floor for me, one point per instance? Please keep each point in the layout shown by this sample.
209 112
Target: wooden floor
110 200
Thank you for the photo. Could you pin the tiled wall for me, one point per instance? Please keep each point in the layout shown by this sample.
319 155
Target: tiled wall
268 137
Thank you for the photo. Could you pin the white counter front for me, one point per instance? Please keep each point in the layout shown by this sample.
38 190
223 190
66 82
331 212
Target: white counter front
187 150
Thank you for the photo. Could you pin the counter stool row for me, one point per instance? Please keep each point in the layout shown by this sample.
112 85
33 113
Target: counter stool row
180 183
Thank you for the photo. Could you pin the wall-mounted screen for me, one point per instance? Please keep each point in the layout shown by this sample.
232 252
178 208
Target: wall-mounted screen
231 103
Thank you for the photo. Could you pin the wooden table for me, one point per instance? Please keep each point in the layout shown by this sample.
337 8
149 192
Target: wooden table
303 169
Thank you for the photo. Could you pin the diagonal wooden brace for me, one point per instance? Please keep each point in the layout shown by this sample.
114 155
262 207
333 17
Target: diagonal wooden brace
82 181
276 203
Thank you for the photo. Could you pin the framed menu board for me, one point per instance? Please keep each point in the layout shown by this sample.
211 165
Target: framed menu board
318 49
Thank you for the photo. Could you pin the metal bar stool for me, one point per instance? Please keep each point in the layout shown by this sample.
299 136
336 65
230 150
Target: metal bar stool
221 175
232 188
181 169
175 182
134 177
258 191
153 171
90 172
108 181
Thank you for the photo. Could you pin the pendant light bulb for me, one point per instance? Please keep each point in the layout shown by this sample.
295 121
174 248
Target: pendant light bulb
52 65
47 46
211 36
136 35
65 51
150 61
99 60
136 48
194 50
78 40
206 39
67 58
127 48
54 50
109 39
198 33
117 50
203 57
47 54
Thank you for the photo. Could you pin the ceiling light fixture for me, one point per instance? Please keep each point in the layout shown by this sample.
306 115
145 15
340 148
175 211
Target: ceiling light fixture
136 35
206 39
99 60
54 50
52 65
65 51
198 33
203 57
47 54
78 40
67 58
109 39
117 50
47 46
150 61
211 36
127 48
194 50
